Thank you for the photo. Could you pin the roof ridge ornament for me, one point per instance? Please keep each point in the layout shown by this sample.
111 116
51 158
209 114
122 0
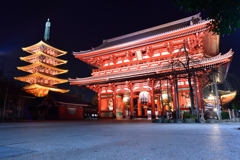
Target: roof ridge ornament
196 19
47 31
104 41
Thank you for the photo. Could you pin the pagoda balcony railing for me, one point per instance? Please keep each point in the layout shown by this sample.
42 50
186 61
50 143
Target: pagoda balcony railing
43 70
49 62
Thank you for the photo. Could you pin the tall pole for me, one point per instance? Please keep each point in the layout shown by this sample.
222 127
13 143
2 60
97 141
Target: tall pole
177 98
195 88
5 101
187 67
168 98
152 99
162 115
217 98
99 103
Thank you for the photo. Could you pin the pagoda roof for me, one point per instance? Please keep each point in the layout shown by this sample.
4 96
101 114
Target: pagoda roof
23 68
43 44
35 88
224 96
153 68
46 55
37 74
133 39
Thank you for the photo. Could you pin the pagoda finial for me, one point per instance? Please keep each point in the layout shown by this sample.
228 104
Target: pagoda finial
47 31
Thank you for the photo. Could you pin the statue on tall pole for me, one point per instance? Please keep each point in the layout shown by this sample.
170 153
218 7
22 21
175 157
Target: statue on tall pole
47 31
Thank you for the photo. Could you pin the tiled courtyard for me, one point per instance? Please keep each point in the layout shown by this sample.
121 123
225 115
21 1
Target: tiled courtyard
114 139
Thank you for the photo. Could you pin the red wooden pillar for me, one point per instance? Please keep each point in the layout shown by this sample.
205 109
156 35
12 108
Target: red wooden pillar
131 101
139 108
159 106
163 111
123 110
174 97
152 99
145 112
114 101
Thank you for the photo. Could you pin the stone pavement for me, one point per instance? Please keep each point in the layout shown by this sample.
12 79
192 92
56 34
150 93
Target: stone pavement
114 139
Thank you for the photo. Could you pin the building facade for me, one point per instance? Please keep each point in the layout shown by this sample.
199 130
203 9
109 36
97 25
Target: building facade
150 73
60 106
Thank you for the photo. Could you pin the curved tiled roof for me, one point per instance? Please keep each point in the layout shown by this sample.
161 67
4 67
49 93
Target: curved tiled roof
44 65
66 98
51 88
46 55
41 43
149 33
37 74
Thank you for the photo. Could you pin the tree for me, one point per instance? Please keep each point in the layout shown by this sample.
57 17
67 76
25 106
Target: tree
189 70
224 14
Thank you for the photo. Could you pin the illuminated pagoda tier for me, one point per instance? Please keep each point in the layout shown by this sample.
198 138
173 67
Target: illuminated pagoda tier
153 61
42 68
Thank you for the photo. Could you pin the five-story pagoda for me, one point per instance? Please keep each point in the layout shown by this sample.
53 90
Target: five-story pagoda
43 70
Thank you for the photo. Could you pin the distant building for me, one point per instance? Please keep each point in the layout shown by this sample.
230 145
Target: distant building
65 107
16 104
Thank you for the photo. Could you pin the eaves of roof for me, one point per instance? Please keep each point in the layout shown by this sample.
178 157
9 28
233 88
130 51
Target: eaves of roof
105 78
146 34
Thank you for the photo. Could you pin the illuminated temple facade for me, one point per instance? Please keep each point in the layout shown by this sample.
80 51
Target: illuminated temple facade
43 69
144 73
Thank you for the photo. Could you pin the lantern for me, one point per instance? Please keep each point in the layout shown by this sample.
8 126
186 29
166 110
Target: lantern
110 104
126 99
145 98
165 98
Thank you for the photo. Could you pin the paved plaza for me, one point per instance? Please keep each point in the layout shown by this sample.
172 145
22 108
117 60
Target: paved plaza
118 140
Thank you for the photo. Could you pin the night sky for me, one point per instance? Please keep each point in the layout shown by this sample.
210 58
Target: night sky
80 25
